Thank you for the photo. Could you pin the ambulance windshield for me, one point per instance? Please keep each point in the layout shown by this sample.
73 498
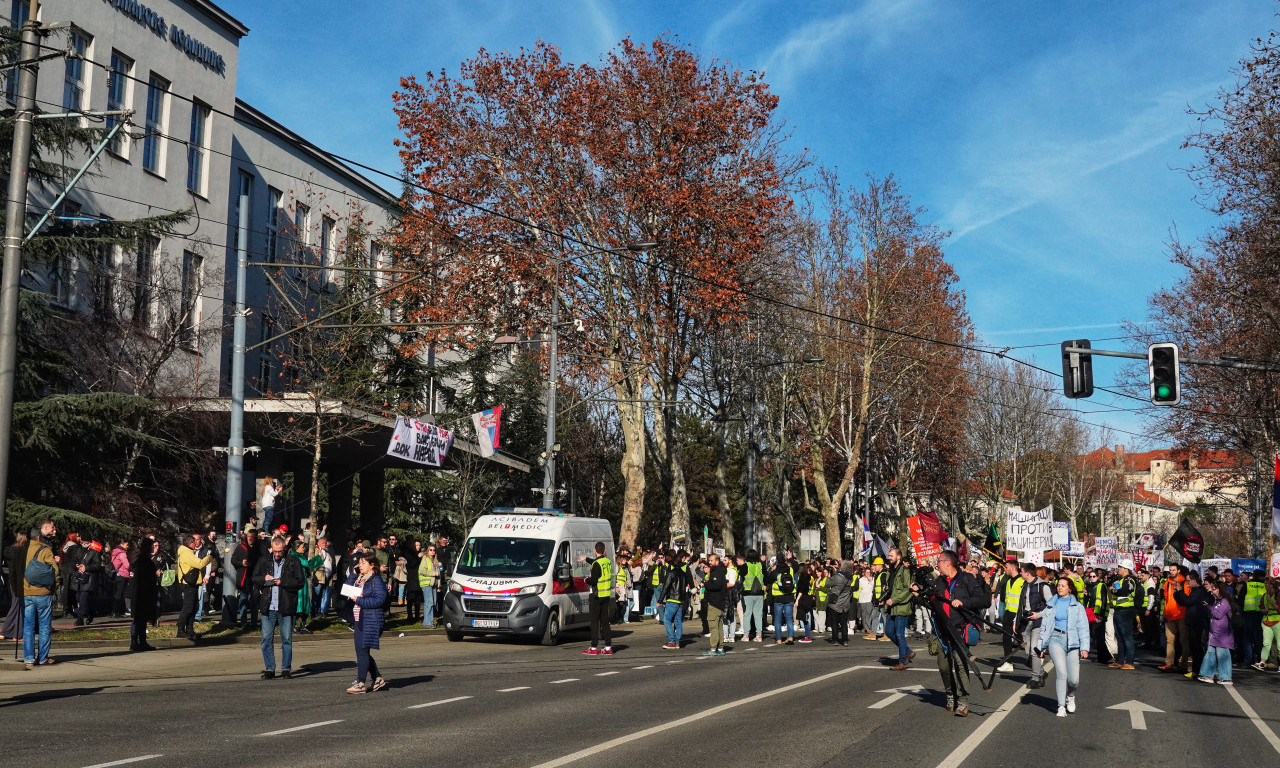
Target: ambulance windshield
486 556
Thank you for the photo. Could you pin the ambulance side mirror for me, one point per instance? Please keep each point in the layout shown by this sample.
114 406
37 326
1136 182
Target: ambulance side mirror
564 572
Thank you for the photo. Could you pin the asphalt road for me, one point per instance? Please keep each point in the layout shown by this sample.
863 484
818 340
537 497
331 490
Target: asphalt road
497 703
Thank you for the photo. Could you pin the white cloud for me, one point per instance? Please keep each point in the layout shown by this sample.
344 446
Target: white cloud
872 26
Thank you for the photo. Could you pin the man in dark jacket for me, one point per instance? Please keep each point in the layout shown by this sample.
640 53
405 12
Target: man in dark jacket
245 560
1197 601
716 586
85 574
278 578
955 592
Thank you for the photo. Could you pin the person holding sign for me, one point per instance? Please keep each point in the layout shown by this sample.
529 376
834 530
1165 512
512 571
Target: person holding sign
365 594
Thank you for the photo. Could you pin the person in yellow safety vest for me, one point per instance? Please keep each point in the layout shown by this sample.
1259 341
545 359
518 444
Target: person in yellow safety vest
1011 591
1099 599
782 586
428 579
622 589
753 590
1270 625
1124 591
1076 579
655 583
820 601
602 584
874 630
1251 606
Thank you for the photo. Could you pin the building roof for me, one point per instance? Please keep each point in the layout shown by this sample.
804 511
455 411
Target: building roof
250 115
226 20
1200 461
1139 494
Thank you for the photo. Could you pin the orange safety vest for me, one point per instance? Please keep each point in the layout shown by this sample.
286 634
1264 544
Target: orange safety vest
1172 610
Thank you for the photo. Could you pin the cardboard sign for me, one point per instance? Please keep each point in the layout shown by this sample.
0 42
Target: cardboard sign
1106 553
420 441
1029 531
1061 534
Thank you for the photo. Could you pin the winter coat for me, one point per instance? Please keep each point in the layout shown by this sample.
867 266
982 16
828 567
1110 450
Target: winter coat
291 582
120 562
411 586
716 584
900 590
1220 635
839 592
144 587
1195 604
1077 623
369 625
91 559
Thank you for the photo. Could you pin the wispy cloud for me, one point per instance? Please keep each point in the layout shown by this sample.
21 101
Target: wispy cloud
599 18
1054 329
871 25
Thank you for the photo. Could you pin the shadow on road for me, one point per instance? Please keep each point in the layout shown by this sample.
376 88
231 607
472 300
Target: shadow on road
63 693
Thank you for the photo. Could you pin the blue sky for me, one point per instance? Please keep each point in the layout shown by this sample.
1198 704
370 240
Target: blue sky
1044 136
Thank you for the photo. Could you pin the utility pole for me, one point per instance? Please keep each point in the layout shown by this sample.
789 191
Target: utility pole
14 224
235 443
549 468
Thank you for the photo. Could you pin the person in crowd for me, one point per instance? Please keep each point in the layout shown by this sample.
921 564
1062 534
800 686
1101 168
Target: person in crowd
1150 617
271 488
1249 599
66 561
956 592
399 568
1177 645
161 560
413 552
278 579
190 573
120 573
753 591
804 602
673 585
602 584
1096 599
302 612
245 560
144 590
865 590
86 575
1216 666
1009 593
1270 625
16 558
716 589
879 594
1065 635
1125 594
898 604
366 616
737 566
428 579
38 584
1035 598
208 577
839 600
1195 601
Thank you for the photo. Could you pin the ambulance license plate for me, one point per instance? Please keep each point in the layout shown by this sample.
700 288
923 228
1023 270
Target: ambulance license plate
485 623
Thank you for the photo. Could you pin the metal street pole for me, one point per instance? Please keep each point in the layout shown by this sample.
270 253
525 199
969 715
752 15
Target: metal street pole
235 443
15 219
549 468
749 508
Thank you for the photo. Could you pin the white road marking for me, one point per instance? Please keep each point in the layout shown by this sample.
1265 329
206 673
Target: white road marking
1137 713
566 680
438 703
126 761
646 666
299 728
605 674
675 661
989 724
605 746
1249 712
752 648
895 694
517 688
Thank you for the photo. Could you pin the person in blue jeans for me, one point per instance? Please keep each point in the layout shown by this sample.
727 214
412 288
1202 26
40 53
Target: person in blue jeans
279 578
1217 661
781 582
1064 632
674 583
898 607
37 599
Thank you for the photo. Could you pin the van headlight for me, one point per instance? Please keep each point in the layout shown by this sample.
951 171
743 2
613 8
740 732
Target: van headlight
455 587
532 589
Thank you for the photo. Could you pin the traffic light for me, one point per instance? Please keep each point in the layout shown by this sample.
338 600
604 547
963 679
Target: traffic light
1077 370
1162 366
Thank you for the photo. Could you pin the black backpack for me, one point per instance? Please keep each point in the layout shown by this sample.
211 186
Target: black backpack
786 581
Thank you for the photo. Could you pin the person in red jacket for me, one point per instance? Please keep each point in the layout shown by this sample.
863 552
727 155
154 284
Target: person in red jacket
1177 652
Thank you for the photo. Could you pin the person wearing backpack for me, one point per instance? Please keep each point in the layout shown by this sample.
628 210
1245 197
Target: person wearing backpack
38 582
781 580
1036 596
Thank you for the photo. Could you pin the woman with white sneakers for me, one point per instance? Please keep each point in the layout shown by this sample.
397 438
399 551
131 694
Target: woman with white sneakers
1064 632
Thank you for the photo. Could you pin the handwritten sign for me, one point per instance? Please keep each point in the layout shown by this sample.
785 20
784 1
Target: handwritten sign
420 441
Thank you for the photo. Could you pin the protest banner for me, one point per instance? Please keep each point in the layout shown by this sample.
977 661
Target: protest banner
1061 534
1106 553
919 545
420 441
1029 531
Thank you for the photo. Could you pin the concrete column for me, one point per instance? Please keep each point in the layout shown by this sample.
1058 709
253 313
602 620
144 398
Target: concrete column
372 499
341 483
299 505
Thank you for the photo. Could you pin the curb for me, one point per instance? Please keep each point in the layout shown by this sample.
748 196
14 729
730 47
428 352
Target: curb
253 638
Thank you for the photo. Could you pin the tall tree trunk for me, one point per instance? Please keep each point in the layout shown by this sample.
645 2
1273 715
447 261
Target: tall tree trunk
667 448
722 492
315 466
631 418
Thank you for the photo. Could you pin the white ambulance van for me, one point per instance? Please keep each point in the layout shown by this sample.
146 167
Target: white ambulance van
519 574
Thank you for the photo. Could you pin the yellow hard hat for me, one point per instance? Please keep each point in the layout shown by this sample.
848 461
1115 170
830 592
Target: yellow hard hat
878 561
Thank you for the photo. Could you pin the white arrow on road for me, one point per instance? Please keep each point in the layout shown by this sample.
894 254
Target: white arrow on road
1137 713
896 693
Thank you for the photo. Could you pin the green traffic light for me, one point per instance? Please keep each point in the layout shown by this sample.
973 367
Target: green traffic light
1163 391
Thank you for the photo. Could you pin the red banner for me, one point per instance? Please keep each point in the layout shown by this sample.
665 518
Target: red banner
920 543
932 527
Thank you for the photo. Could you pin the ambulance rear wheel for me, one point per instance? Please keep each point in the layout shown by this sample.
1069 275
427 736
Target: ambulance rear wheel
453 636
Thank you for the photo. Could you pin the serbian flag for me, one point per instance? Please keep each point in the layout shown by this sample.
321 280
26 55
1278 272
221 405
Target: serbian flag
1275 502
487 425
867 539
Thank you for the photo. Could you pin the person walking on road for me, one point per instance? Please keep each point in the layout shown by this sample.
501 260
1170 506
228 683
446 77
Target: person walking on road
1217 661
955 592
839 600
753 590
898 603
674 583
278 578
1270 625
1036 596
717 586
1195 602
1010 593
600 606
1125 594
1064 632
366 617
782 586
1251 613
1177 648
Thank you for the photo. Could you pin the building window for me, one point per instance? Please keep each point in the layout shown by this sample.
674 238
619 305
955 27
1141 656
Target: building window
375 262
274 217
157 116
104 283
192 272
119 87
301 229
61 280
326 248
264 375
142 275
73 79
197 148
266 329
19 12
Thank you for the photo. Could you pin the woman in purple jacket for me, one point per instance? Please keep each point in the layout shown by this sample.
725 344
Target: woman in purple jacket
367 613
1217 662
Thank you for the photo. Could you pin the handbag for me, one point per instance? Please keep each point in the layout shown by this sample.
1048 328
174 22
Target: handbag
168 578
1090 615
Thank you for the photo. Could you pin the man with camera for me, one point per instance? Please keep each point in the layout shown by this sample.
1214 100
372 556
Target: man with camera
955 600
190 575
